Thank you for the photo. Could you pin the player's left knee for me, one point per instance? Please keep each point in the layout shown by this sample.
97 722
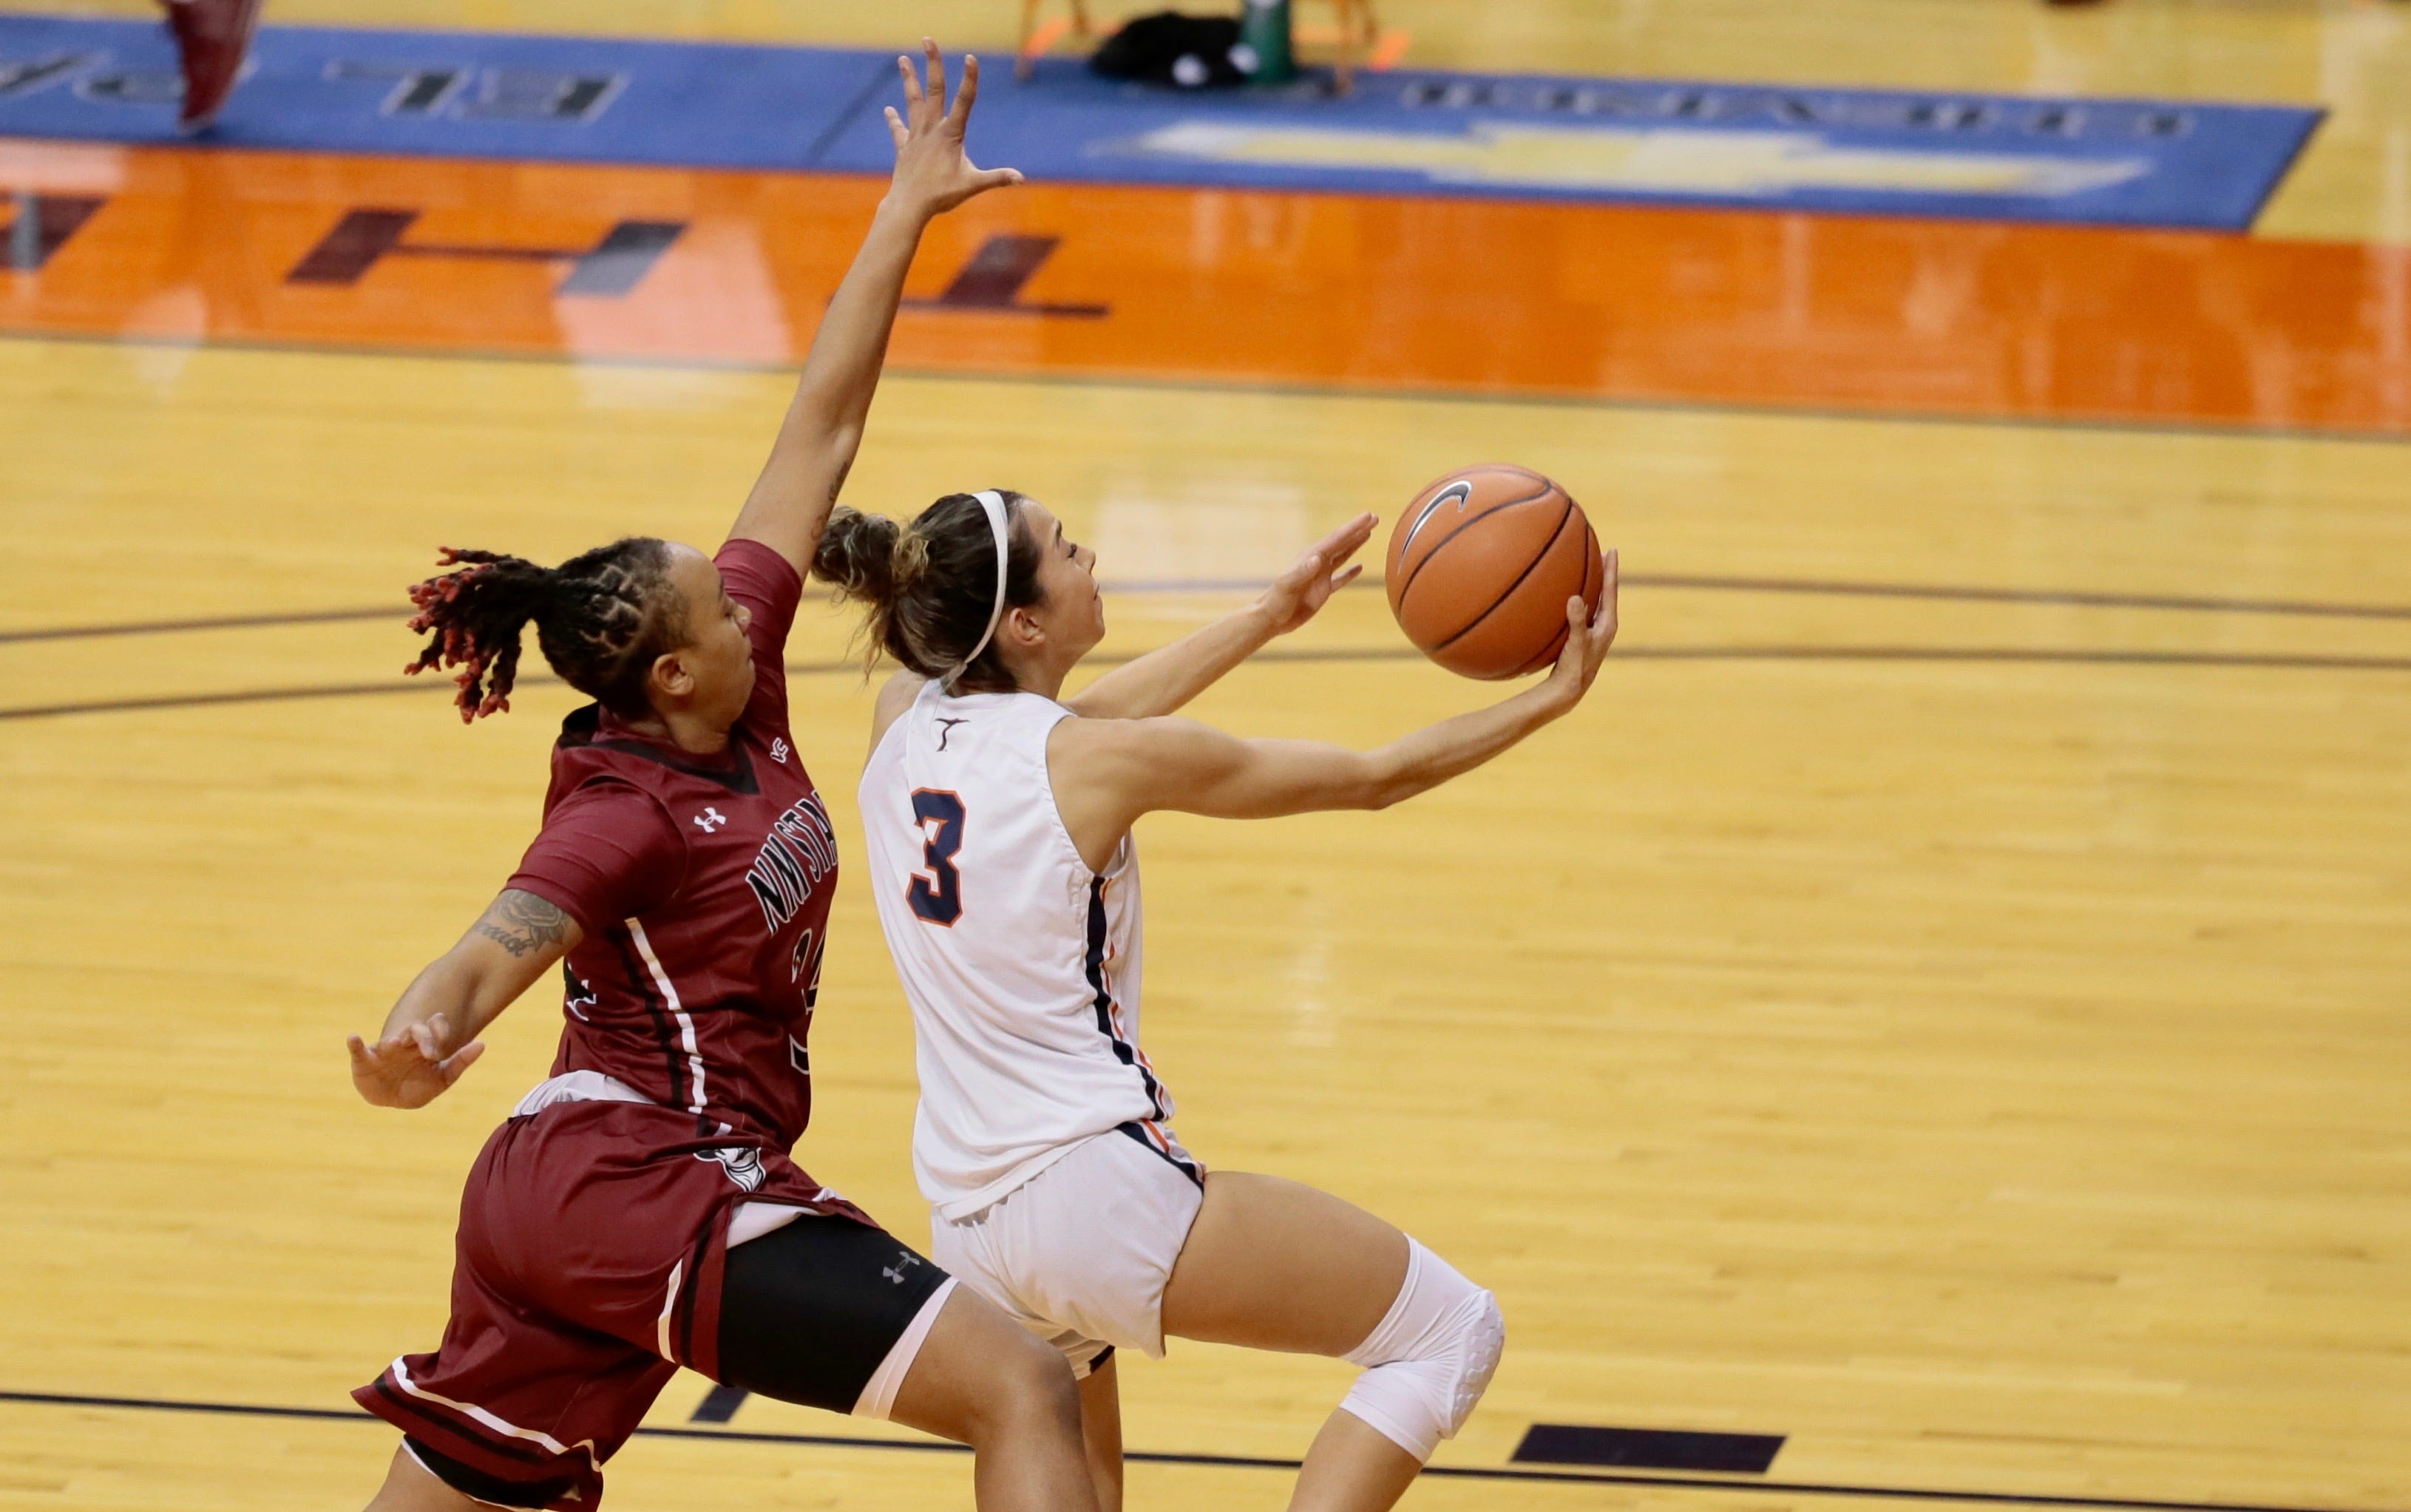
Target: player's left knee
1430 1359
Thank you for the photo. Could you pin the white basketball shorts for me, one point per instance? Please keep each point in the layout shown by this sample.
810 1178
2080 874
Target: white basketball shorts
1080 1253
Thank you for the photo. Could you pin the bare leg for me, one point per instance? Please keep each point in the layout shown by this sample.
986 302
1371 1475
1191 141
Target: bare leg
1274 1265
1352 1467
982 1379
1101 1426
408 1488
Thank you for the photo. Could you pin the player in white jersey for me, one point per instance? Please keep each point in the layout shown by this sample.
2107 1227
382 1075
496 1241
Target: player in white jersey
998 820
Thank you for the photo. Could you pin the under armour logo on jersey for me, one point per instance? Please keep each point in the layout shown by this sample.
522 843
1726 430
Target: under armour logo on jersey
948 730
710 820
903 1257
778 751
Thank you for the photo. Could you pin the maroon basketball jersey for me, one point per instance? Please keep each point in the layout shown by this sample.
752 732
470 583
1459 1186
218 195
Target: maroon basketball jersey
701 998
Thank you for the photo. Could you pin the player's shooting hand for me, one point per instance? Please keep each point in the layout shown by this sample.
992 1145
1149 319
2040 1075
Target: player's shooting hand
411 1070
1587 642
933 172
1297 595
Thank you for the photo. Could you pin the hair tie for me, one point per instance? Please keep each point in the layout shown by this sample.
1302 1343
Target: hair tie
992 503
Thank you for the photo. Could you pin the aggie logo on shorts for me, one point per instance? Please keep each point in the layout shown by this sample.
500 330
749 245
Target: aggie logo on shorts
741 1164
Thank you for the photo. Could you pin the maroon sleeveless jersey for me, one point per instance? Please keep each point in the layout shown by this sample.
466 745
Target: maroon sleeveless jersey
702 885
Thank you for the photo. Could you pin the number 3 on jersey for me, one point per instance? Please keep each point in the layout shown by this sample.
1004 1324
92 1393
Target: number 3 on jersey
937 890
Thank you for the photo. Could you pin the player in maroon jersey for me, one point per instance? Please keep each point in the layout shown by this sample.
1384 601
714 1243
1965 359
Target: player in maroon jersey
212 38
639 1210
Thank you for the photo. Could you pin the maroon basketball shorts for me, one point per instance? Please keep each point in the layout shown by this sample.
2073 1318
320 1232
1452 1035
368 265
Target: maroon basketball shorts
593 1260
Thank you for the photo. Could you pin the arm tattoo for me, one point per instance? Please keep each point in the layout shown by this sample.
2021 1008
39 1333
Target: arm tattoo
520 923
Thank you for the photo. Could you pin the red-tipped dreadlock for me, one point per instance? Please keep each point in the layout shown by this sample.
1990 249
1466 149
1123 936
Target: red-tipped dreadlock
601 620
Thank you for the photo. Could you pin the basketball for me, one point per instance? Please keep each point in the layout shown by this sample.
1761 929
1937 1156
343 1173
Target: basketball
1480 565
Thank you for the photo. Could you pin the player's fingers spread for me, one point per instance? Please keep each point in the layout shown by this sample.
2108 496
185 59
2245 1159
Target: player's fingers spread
912 80
1348 576
961 114
997 178
936 64
896 128
1348 538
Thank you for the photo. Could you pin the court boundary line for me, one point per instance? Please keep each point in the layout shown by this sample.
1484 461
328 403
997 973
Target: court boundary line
2080 598
2284 662
1231 1462
2232 429
229 622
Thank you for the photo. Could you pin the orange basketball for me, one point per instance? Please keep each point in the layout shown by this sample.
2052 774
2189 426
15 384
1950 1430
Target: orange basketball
1482 565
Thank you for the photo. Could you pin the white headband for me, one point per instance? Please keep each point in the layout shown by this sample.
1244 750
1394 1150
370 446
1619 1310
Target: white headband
993 503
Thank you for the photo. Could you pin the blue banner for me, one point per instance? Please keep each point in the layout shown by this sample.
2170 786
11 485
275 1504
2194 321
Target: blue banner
2156 163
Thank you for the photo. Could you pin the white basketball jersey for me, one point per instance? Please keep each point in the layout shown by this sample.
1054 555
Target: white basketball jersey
1021 964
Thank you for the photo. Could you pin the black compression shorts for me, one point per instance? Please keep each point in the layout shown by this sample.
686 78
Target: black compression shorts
810 1310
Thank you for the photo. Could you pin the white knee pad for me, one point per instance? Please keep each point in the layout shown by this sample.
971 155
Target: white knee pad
1430 1359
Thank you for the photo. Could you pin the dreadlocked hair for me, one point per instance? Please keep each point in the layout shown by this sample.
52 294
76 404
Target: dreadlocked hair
601 620
932 585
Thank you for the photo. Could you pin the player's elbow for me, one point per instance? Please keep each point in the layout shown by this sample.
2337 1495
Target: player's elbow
1379 785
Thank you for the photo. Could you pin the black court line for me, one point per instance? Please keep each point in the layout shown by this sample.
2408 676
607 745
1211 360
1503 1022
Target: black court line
2001 655
1235 1461
203 700
2079 597
2246 431
2030 596
2276 661
230 621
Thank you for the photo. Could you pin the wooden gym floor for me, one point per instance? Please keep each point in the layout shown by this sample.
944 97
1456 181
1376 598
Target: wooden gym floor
1943 1000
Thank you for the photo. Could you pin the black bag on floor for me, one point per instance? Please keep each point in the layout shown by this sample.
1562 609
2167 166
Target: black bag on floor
1168 48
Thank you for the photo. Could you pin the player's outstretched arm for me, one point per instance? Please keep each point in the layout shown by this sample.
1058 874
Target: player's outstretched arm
1165 679
431 1036
1108 772
792 499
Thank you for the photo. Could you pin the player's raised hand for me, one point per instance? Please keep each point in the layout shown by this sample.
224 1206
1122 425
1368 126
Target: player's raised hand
933 172
1587 644
410 1070
1297 595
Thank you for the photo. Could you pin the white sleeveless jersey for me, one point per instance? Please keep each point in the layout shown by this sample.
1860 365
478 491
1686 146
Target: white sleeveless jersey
1021 964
